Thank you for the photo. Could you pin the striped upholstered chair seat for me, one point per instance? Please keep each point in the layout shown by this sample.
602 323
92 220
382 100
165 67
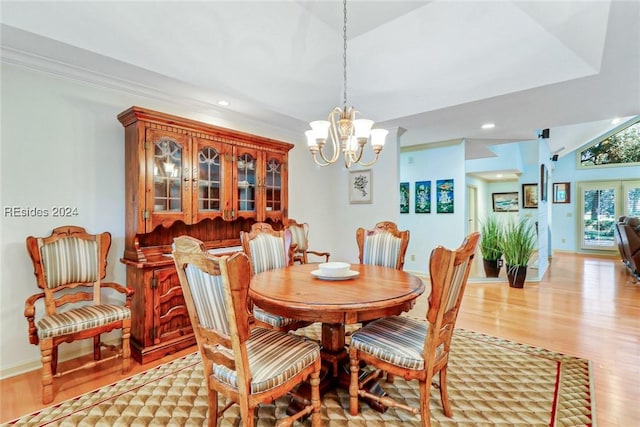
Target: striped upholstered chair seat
398 340
81 319
417 349
268 249
249 365
274 358
69 267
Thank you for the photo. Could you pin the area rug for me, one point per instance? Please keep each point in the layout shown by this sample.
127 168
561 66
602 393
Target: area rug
492 381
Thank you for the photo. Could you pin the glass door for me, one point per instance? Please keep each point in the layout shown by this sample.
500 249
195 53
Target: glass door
601 204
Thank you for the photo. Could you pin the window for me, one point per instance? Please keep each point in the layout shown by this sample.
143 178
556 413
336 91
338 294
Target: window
620 147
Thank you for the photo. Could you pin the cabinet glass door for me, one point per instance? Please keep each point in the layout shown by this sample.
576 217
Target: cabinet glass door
273 185
167 176
247 165
209 180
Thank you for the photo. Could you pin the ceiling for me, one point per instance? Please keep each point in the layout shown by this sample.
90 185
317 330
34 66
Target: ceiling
437 69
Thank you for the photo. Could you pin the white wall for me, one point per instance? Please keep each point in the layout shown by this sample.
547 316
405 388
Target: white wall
432 229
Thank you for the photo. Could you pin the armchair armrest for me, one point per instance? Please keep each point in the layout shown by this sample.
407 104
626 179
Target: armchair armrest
30 314
320 254
121 289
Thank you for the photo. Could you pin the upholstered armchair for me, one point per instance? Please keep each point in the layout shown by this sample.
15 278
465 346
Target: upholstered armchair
69 267
300 237
268 249
249 366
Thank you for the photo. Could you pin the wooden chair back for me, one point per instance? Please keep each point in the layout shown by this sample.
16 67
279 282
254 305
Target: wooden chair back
393 343
216 290
69 258
70 266
449 271
384 245
267 249
300 238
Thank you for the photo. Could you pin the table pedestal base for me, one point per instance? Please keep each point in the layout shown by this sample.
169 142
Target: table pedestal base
335 371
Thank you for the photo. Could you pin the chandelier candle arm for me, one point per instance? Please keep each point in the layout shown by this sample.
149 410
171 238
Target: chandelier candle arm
347 134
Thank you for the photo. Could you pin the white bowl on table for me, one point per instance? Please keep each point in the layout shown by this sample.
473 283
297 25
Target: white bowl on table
334 269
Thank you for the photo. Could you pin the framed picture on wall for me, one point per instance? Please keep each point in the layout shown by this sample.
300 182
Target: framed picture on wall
505 202
360 186
444 196
562 192
404 197
529 196
423 197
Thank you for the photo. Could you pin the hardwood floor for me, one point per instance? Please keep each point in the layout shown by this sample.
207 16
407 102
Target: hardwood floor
585 306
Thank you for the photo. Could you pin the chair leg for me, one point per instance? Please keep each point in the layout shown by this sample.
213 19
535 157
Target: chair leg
96 347
390 378
213 408
425 409
54 360
126 350
444 394
316 420
46 350
354 366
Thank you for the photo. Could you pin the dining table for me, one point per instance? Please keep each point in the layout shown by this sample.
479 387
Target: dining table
367 292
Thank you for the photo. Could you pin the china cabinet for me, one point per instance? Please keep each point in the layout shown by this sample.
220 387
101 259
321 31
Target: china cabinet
187 177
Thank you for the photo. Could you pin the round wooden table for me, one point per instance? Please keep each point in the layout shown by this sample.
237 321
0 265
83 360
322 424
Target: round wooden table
376 292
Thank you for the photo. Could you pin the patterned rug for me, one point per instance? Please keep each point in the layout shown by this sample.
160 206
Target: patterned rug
492 381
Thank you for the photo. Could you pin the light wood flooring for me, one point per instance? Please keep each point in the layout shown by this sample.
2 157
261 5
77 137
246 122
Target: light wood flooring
585 306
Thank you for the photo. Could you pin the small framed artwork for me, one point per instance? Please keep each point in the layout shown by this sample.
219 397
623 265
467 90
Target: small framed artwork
423 197
562 192
544 177
444 198
404 197
529 196
360 186
505 202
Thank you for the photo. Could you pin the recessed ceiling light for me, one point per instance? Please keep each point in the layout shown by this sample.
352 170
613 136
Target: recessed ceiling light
488 126
499 175
615 121
223 103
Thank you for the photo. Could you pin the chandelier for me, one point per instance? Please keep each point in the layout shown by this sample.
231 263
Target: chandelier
347 134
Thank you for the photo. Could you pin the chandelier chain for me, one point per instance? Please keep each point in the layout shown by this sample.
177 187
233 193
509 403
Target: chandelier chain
344 55
345 133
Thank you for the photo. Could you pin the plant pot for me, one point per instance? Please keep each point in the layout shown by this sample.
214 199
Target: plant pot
492 267
516 275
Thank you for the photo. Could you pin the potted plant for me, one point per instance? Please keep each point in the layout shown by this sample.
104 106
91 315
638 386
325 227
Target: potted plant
518 245
490 246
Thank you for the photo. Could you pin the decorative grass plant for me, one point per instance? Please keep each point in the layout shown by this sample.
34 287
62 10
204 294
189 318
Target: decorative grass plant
519 243
491 239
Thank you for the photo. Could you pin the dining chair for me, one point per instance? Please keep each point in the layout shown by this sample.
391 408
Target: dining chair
268 249
416 349
248 365
300 237
385 245
69 266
